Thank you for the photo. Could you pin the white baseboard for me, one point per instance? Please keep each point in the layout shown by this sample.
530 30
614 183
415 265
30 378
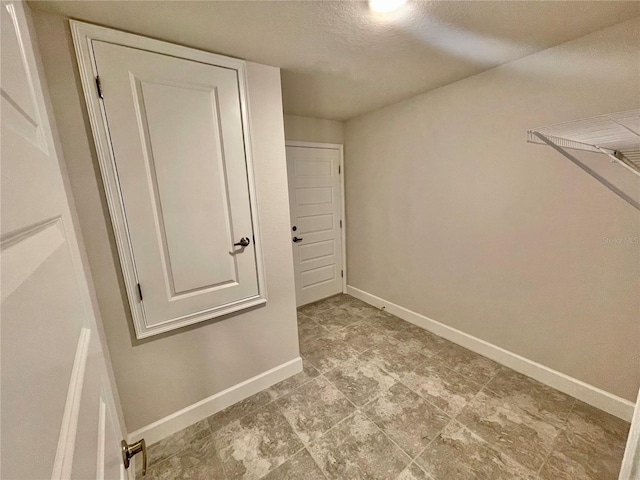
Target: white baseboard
175 422
595 396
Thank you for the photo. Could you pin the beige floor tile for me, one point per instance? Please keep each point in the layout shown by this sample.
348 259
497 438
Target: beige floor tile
356 449
314 408
326 352
591 447
575 458
177 443
597 426
457 453
526 438
256 443
361 337
197 463
238 410
336 318
441 386
395 358
467 363
413 472
409 420
309 328
308 373
359 380
385 322
420 340
533 397
299 467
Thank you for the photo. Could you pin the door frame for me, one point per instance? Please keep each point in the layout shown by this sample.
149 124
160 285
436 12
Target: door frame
340 148
83 34
630 469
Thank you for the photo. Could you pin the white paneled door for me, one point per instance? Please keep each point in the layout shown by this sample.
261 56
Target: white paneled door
177 175
315 198
59 417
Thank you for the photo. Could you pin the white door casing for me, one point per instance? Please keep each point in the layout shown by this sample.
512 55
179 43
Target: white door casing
317 213
173 143
59 416
630 469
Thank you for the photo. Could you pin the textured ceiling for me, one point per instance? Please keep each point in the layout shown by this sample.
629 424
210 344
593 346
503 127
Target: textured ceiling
339 60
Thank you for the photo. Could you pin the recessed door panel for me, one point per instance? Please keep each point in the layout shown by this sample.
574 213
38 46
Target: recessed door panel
313 168
314 196
316 276
317 250
178 150
17 98
314 223
186 168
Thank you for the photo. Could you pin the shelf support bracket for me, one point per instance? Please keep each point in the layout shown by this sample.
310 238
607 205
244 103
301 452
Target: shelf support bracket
587 169
618 158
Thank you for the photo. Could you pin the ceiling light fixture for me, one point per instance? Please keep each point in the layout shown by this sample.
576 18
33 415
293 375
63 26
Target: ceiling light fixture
385 6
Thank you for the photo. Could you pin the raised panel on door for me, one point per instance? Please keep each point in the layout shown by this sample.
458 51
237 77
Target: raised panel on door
41 326
97 453
186 165
178 143
316 207
49 336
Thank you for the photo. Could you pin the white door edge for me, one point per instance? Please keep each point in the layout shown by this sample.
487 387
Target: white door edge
630 469
340 148
52 233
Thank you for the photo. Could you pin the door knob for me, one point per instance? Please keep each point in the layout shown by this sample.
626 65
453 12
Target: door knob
296 239
128 451
244 241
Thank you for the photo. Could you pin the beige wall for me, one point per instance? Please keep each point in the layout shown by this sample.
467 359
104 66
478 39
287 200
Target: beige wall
306 129
165 373
452 215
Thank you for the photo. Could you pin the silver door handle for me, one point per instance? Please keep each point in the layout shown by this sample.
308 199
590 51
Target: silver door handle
244 241
128 451
297 239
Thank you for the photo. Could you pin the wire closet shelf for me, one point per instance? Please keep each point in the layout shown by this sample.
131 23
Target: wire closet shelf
616 135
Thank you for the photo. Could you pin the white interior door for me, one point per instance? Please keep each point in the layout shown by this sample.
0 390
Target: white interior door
176 132
59 417
315 197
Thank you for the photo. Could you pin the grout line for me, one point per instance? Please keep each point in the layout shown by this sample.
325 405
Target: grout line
497 447
331 428
453 418
555 439
360 411
286 459
305 382
389 438
435 437
294 430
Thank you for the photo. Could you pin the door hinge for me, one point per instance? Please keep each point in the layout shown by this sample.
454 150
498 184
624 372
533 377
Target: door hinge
140 292
340 223
342 273
99 87
339 169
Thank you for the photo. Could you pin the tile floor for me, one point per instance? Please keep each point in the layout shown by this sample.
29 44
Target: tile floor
380 398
